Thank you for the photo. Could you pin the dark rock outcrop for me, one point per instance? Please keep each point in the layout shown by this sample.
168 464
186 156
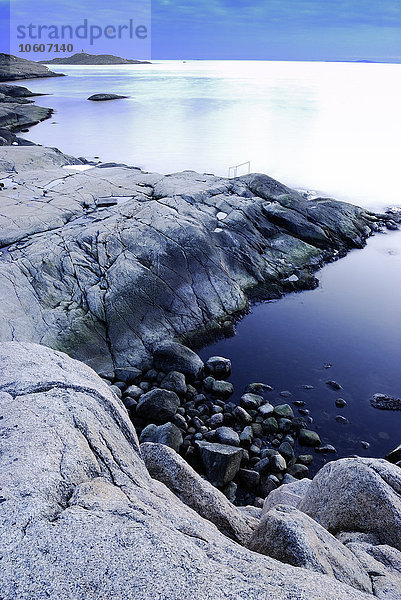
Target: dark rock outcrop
109 285
83 58
105 97
13 68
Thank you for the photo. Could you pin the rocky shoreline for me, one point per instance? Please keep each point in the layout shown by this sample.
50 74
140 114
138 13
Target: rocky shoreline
137 471
88 512
140 258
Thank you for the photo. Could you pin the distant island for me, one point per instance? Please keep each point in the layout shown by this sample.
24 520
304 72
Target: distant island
82 58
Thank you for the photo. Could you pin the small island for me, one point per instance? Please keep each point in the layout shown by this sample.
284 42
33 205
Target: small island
83 58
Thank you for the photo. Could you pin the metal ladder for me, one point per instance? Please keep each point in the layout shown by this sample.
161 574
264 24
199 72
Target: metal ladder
233 171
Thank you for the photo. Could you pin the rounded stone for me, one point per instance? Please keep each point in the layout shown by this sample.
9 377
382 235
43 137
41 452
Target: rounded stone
158 406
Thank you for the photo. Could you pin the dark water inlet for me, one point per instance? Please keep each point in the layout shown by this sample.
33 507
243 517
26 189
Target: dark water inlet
353 322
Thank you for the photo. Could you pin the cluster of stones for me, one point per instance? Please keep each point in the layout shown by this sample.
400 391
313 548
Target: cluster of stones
244 448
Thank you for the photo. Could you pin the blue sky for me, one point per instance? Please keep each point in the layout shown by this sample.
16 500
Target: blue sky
236 29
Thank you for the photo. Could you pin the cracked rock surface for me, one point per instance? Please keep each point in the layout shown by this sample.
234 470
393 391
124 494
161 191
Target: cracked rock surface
105 262
81 517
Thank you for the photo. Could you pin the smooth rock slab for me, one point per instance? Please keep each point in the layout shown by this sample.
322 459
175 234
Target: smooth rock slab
290 536
168 467
83 519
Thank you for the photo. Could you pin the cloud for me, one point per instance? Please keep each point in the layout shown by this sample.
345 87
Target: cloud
327 13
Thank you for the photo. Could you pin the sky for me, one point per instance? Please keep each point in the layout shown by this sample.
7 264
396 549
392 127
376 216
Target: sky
225 29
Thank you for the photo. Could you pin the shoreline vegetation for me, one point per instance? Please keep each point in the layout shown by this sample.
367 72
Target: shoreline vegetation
123 269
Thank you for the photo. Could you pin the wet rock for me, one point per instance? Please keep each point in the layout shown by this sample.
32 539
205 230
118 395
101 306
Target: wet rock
227 435
180 421
305 459
286 450
248 479
116 390
341 419
251 401
158 406
385 402
241 415
277 463
285 394
325 449
287 534
171 356
128 375
167 434
223 388
365 445
246 437
255 388
298 470
340 403
270 425
309 438
133 391
395 455
175 382
334 385
266 410
221 462
218 366
104 97
285 425
263 465
215 420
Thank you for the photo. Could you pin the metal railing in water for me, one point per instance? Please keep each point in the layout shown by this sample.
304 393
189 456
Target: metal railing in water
233 171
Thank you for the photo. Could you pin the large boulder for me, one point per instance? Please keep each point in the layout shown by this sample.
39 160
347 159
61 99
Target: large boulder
357 494
81 517
171 356
221 462
290 536
168 467
167 434
158 406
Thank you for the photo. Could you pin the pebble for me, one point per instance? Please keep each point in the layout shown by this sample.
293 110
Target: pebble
334 385
340 403
341 419
327 449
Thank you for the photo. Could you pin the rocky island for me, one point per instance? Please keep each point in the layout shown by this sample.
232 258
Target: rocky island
83 58
122 452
